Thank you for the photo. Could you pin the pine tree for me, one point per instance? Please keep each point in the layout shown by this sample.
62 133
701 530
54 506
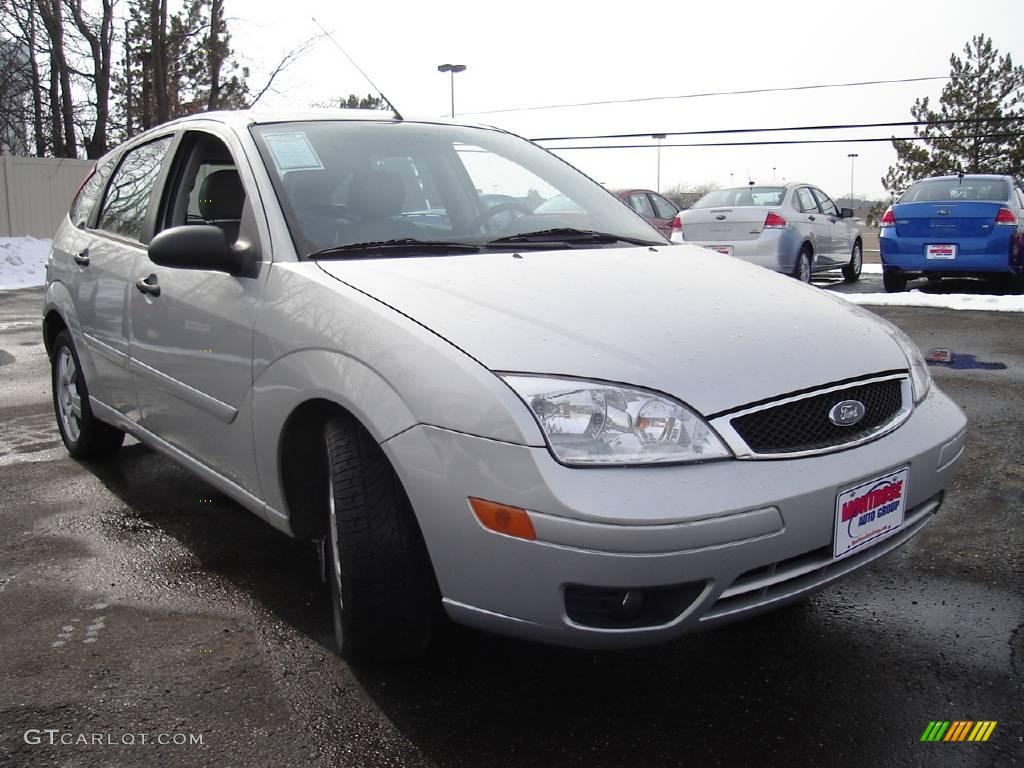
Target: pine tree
177 64
983 86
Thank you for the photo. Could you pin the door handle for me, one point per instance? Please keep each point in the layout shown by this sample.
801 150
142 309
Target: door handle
810 218
148 285
82 258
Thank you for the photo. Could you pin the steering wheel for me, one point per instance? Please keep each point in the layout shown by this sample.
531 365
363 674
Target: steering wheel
494 210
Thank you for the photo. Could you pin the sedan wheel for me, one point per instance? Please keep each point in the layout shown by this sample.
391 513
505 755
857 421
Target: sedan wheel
802 270
85 436
851 272
384 597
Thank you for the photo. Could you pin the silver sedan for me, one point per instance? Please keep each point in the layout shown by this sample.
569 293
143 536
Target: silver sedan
793 228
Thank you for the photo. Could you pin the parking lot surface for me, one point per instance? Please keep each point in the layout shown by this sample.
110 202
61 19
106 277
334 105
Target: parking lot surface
138 602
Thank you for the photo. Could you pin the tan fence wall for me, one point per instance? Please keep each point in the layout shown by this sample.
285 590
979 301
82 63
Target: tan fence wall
35 193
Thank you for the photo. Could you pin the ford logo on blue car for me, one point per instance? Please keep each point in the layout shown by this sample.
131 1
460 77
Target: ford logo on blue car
846 413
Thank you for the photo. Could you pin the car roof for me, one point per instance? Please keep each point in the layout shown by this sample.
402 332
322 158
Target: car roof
243 118
951 176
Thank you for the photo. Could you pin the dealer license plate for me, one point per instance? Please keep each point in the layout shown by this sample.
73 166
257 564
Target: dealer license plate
869 511
725 250
946 251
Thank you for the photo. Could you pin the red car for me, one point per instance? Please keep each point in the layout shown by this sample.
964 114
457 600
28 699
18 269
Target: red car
652 206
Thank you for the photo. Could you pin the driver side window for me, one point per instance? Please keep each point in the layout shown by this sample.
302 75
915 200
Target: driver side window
208 188
827 206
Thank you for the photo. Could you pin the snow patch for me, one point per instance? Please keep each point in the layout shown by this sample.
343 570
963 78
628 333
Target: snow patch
978 302
23 262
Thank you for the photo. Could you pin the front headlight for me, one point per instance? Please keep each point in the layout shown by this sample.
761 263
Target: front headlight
590 422
920 376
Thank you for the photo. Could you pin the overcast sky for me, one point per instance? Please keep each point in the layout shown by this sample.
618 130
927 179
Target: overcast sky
526 53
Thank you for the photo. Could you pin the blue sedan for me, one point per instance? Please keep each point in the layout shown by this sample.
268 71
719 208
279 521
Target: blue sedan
954 226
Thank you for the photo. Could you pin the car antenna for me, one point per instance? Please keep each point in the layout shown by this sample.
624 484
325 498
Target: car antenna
398 115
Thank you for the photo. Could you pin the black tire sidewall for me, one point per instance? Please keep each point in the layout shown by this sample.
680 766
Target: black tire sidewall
95 438
388 592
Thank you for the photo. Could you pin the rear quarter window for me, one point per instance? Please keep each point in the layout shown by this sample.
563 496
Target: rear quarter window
88 196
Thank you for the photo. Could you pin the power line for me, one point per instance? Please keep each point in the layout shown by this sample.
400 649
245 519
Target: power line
702 95
792 141
900 124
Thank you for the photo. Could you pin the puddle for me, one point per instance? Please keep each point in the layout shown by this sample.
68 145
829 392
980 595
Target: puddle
960 361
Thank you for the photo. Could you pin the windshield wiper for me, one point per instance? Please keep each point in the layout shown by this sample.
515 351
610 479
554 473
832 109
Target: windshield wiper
408 245
570 235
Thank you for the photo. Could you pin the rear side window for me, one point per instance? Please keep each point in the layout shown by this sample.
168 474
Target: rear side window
827 206
89 196
951 190
127 200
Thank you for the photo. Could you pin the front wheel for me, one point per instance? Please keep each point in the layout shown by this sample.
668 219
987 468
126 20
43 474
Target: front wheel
851 271
85 436
894 281
384 596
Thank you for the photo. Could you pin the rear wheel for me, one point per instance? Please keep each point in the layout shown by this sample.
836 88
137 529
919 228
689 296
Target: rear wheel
383 593
85 436
851 272
894 281
802 270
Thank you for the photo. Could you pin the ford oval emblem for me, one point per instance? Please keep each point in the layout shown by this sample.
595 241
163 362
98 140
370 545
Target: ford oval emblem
847 413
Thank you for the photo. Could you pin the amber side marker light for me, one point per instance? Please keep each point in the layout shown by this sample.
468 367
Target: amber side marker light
512 521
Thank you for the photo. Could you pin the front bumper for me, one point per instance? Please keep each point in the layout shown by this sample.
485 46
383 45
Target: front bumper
753 534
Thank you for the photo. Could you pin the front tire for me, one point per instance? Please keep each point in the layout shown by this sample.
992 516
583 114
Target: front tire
85 436
851 271
384 596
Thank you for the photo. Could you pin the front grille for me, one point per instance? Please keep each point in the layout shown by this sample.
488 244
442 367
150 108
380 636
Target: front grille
804 425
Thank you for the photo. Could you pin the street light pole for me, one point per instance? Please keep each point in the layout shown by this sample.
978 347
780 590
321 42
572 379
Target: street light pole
852 156
659 137
452 69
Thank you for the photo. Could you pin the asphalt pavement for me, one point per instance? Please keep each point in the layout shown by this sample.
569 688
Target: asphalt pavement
137 605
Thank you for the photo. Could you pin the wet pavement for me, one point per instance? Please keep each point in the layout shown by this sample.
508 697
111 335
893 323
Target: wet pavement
138 604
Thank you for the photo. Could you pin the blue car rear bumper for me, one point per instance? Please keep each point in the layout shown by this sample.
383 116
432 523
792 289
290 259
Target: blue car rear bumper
993 253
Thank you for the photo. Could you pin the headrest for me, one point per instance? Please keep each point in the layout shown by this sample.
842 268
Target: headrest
221 196
376 194
309 187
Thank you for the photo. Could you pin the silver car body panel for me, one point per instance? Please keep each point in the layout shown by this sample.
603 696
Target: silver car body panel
409 346
572 325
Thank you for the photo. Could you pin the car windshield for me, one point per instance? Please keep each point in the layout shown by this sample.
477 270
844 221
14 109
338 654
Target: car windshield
736 196
951 190
347 183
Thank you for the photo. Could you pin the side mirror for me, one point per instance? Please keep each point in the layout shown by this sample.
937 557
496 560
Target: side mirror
846 213
200 246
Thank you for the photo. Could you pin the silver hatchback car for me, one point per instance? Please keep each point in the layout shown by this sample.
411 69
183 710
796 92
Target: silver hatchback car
793 228
545 423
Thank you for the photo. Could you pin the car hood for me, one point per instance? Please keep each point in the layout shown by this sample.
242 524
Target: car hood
715 333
